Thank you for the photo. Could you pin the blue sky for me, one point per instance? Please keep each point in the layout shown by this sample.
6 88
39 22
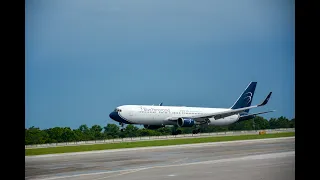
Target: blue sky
84 58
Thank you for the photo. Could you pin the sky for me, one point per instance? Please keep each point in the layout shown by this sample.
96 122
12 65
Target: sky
86 57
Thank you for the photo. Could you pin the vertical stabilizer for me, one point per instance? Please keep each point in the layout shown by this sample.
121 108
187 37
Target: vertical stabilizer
246 97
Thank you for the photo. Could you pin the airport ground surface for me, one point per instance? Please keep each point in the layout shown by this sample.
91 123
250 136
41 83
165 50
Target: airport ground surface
253 159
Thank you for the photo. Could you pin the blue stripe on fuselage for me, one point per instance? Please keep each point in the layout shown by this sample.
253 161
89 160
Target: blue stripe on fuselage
115 116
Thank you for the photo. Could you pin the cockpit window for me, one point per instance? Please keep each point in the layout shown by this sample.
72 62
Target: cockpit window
117 110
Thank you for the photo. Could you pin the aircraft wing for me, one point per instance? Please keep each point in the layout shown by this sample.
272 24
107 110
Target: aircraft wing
227 113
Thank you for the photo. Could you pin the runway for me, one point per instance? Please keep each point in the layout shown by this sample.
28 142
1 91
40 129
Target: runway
243 160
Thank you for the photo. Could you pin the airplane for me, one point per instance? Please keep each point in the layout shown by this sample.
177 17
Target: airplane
154 117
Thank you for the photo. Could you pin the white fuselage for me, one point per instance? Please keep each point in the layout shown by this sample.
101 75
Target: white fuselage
160 115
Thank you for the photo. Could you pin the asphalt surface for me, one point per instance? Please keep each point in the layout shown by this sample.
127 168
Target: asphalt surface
258 159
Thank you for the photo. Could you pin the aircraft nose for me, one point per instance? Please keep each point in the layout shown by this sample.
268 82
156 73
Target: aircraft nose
112 115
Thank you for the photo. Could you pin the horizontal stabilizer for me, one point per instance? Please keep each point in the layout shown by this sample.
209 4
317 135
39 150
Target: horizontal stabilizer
251 116
263 112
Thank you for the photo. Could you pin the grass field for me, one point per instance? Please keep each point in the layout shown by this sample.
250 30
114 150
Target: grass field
65 149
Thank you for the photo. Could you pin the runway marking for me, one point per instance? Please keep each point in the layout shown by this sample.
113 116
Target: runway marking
179 160
251 157
135 170
158 147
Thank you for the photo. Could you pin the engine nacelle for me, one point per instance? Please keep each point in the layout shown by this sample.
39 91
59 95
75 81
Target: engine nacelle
152 126
185 122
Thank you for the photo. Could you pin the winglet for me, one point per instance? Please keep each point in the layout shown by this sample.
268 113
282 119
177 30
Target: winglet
266 100
160 104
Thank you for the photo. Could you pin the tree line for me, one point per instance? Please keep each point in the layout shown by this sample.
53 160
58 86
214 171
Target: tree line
34 135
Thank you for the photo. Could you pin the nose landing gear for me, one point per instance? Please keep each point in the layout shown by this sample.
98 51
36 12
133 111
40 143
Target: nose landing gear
122 125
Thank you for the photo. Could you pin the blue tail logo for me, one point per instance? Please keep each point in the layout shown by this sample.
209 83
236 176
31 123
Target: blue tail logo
246 97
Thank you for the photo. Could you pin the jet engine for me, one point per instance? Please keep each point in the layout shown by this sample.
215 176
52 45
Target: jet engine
185 122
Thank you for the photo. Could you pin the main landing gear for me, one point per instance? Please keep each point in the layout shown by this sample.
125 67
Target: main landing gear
196 131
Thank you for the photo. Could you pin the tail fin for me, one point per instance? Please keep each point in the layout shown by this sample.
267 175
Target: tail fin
246 97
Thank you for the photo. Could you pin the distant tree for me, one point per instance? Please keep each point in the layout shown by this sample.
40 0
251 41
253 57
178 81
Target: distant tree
292 123
86 134
210 128
164 131
111 131
55 134
95 130
248 125
148 132
261 123
205 128
67 135
273 123
174 129
34 135
283 122
187 130
219 129
131 131
236 126
78 135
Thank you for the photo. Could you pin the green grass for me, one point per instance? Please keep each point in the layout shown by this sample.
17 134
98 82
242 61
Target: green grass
65 149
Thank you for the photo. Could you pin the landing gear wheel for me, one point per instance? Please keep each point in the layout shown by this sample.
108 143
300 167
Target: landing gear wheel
195 131
122 125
